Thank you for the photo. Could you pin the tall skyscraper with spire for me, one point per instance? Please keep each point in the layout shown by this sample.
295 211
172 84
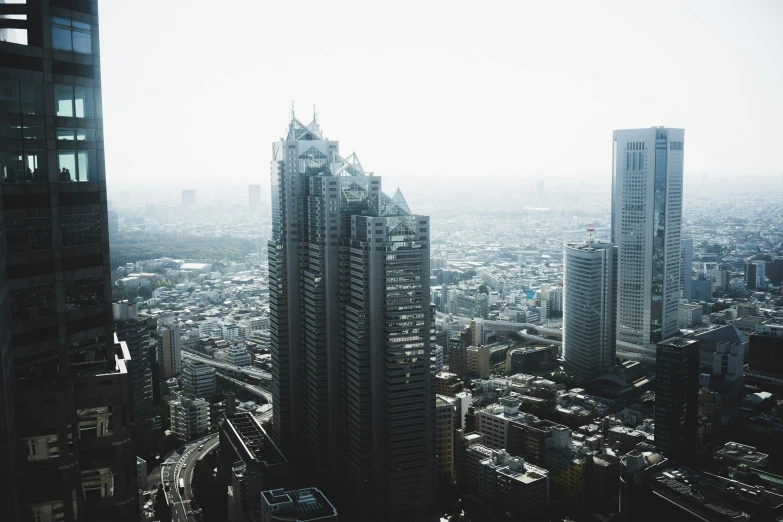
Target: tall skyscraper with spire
647 167
65 393
349 300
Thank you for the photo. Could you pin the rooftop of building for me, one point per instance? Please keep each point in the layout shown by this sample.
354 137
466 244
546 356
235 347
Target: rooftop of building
301 505
743 452
727 333
252 436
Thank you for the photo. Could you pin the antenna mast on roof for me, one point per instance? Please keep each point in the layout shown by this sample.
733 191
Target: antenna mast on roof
590 231
292 110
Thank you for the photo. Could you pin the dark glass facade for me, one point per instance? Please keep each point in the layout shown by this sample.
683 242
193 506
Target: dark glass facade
65 418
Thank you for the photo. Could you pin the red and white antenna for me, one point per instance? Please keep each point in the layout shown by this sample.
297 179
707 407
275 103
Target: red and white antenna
590 231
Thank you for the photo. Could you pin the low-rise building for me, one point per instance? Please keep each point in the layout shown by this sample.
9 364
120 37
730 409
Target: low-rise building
301 505
736 453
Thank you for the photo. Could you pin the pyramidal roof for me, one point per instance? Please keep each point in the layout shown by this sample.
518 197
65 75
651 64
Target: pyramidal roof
399 200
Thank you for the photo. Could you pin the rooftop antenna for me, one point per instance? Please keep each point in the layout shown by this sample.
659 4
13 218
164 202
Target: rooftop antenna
292 111
315 115
590 231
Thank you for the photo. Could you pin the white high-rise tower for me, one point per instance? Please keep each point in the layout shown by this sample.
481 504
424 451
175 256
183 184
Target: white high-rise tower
647 169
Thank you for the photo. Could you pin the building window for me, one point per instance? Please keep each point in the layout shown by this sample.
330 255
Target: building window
77 166
48 512
23 166
28 235
74 101
33 302
81 229
17 35
95 422
43 447
71 134
84 292
70 35
98 483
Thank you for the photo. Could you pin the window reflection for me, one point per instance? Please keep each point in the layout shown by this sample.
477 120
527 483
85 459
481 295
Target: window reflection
70 35
28 235
85 292
98 483
33 302
95 422
81 229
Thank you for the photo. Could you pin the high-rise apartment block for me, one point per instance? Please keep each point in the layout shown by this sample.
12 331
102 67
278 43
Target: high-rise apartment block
755 275
350 328
677 398
65 422
647 166
170 353
589 312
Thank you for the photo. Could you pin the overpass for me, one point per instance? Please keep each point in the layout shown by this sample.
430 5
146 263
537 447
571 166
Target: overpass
507 326
249 388
247 371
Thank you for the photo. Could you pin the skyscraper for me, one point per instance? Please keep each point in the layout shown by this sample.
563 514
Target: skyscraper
646 226
350 327
677 398
65 422
589 311
254 197
686 268
135 332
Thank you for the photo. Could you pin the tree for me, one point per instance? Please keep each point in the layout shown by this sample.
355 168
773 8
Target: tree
483 289
169 443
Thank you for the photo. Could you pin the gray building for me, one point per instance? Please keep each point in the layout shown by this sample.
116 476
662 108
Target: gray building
63 378
198 381
135 332
647 170
301 505
188 198
589 310
686 268
254 197
350 327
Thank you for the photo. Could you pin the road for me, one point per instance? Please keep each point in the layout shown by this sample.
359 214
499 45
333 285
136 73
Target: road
510 326
255 390
248 371
181 465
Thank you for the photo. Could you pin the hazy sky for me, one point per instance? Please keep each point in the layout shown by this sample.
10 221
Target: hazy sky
490 92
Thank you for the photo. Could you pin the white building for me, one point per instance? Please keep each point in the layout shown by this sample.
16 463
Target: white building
436 358
141 473
647 167
689 315
190 418
235 354
589 308
494 421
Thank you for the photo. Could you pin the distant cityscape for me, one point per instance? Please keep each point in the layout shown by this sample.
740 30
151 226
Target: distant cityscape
320 346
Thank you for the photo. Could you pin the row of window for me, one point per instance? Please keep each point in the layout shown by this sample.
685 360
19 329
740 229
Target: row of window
40 301
38 132
29 166
34 234
70 101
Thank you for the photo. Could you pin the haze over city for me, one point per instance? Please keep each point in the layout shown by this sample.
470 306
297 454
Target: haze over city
437 92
